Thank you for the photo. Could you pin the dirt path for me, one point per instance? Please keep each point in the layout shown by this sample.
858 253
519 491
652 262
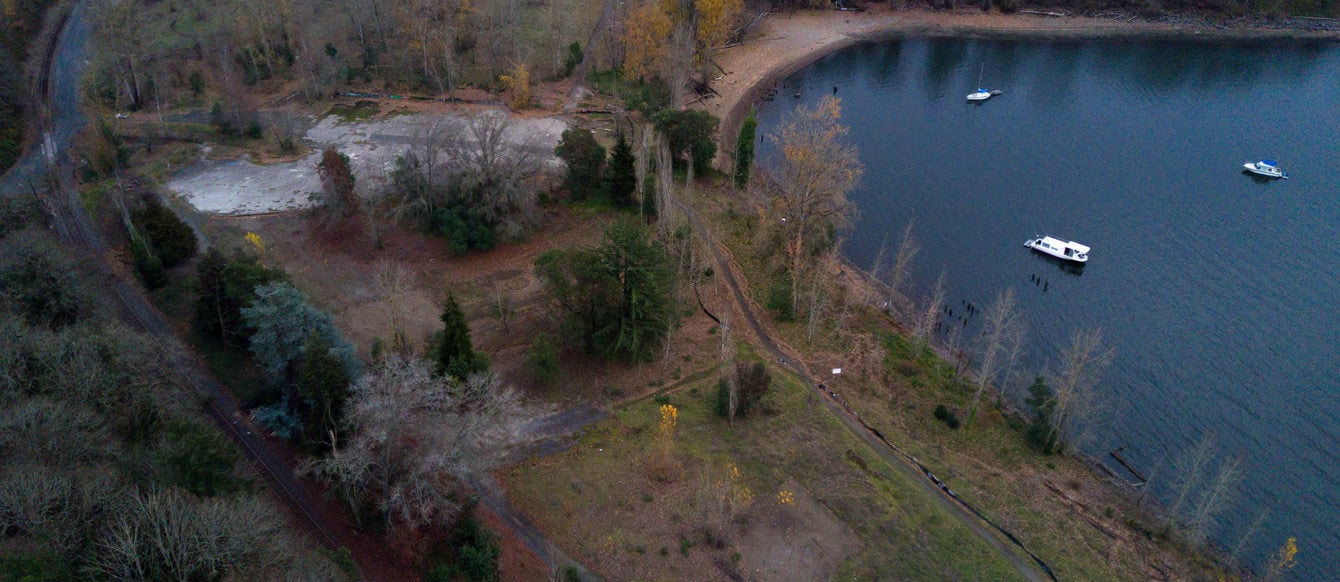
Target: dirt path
931 486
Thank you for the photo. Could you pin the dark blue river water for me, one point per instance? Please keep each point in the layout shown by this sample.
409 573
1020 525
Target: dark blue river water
1219 292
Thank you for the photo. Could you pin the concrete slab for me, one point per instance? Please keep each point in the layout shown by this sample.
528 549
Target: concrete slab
238 188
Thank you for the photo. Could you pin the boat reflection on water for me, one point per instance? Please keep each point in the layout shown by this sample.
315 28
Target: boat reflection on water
1067 267
1259 179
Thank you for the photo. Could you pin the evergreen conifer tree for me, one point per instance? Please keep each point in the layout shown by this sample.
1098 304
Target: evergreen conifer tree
621 173
455 354
744 150
323 381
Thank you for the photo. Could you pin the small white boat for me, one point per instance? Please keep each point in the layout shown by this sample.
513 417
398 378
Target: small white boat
1059 248
1267 168
981 94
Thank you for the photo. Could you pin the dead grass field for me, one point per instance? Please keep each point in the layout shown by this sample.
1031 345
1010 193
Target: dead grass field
852 517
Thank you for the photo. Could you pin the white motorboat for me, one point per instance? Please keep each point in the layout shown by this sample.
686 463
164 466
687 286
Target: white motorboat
1267 168
1059 248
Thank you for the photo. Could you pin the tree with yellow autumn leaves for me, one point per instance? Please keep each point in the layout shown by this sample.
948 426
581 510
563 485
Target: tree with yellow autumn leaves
656 31
808 186
662 463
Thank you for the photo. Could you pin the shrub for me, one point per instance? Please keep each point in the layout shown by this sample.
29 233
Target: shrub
691 136
573 59
464 228
570 574
780 301
169 239
104 148
478 551
18 211
543 358
197 83
941 413
41 280
649 98
219 120
947 416
148 268
585 160
197 458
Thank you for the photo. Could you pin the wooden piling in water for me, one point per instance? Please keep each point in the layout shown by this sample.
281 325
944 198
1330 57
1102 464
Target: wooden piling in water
1116 454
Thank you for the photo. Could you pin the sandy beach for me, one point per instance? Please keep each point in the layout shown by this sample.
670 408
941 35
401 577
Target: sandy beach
783 43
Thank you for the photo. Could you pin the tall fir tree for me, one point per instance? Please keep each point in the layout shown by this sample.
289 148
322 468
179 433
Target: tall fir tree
323 381
744 150
455 355
621 173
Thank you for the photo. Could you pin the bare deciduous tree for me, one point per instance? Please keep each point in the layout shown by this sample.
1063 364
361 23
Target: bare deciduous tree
394 281
502 307
811 180
412 434
497 166
171 535
1075 381
1002 334
681 52
928 318
902 264
729 377
1202 495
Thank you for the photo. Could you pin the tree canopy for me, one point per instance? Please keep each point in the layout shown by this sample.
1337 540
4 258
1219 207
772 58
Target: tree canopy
456 356
617 295
585 159
809 184
691 135
282 321
621 173
224 287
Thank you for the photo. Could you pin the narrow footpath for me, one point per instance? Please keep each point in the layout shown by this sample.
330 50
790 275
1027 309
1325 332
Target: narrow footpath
1029 565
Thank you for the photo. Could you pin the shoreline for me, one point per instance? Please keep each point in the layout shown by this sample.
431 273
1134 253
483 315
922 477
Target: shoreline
787 42
783 44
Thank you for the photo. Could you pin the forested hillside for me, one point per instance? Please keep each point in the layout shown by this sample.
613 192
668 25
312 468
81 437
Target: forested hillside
20 21
108 469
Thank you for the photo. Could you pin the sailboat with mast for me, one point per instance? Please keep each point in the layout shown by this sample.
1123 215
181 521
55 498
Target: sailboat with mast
981 94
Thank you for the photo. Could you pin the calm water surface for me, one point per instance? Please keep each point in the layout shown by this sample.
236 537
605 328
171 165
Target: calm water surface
1219 292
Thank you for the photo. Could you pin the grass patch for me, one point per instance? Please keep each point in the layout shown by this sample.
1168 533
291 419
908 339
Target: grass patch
360 110
896 531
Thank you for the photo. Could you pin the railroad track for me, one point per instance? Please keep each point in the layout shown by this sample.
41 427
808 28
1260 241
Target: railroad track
78 232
